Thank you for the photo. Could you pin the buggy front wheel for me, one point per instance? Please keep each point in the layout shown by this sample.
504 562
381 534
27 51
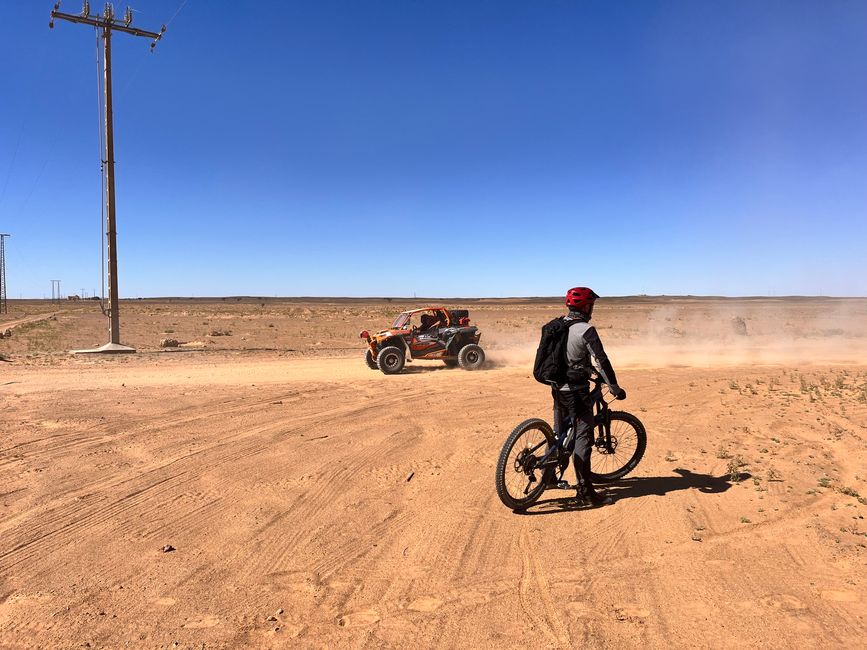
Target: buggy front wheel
520 482
618 452
390 360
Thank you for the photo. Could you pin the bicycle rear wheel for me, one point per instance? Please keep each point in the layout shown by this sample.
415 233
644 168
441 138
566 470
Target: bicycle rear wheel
520 482
614 459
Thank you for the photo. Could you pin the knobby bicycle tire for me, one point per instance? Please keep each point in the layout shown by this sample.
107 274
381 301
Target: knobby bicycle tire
502 468
632 463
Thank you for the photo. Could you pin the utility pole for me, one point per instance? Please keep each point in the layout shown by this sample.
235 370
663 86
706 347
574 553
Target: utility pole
108 24
4 306
55 291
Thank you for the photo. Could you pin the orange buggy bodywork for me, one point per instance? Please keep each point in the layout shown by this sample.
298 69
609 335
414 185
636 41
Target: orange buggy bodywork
449 330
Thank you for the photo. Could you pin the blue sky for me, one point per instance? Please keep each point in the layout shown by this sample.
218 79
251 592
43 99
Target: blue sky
444 148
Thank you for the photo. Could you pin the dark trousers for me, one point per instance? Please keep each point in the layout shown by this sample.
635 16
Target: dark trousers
575 405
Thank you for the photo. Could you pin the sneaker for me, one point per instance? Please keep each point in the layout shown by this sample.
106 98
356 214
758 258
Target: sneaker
594 499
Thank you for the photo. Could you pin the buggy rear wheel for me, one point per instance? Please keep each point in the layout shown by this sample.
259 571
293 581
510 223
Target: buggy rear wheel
614 458
391 359
520 482
471 357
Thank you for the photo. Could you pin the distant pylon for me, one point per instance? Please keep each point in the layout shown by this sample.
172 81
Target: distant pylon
4 305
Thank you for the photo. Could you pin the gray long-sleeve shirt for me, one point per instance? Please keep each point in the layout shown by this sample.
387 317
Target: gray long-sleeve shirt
584 350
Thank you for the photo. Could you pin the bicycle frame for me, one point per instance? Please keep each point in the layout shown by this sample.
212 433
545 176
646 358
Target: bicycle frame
565 439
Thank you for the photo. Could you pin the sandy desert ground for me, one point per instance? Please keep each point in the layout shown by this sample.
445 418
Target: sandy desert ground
312 502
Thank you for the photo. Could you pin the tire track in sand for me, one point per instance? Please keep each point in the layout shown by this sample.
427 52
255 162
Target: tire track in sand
54 527
278 541
534 593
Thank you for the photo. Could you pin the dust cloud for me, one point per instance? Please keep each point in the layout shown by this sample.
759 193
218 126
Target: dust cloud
717 333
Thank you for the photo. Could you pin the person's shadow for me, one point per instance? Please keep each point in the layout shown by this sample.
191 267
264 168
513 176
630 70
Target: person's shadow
640 486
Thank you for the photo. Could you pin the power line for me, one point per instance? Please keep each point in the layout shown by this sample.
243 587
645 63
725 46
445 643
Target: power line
181 6
12 162
39 174
130 78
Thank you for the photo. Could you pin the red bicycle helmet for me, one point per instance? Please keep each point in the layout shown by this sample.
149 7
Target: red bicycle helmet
581 299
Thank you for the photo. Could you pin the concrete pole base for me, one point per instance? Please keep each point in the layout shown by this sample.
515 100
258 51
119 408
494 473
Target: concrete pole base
108 348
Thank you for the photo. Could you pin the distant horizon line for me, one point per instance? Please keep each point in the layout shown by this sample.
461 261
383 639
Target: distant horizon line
458 298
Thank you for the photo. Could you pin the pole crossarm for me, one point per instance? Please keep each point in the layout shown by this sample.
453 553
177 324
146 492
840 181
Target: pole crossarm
106 23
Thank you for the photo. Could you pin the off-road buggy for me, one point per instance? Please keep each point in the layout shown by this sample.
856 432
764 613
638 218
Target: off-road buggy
430 333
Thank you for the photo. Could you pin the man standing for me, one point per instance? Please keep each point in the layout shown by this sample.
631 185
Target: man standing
584 352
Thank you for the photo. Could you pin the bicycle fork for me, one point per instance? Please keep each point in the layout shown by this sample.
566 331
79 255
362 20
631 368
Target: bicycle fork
602 423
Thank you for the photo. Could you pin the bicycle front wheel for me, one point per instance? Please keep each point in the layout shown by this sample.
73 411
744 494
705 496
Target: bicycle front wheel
615 456
520 481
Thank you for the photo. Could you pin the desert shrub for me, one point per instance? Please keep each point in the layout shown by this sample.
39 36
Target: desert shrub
734 468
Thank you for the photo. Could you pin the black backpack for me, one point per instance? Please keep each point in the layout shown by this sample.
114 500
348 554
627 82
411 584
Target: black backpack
551 362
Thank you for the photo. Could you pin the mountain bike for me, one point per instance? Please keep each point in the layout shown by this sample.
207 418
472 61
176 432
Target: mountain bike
533 459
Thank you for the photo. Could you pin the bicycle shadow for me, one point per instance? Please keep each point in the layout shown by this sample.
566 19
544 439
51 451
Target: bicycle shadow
641 486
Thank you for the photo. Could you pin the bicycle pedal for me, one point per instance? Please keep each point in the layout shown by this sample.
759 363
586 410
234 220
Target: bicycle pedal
564 485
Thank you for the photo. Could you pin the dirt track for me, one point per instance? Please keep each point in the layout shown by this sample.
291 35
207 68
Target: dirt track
282 484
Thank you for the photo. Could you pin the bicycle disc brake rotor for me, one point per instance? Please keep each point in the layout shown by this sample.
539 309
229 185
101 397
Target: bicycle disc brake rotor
525 462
